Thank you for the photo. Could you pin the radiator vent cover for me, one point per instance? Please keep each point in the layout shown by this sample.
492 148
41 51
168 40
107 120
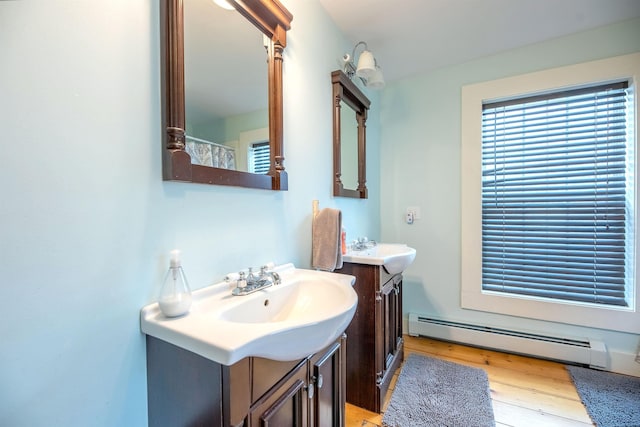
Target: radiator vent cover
566 349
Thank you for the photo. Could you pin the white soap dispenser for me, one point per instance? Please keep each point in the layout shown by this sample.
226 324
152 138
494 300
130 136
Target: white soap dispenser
175 297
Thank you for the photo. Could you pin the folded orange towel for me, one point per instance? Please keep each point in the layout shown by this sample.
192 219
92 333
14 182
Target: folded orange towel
326 245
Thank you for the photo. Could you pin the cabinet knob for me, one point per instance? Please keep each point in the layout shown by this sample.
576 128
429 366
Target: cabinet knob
379 376
310 391
319 380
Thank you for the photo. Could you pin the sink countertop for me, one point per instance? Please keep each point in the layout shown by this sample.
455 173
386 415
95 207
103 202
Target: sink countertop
206 331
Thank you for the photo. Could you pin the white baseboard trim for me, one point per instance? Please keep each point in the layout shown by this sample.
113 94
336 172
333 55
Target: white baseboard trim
607 359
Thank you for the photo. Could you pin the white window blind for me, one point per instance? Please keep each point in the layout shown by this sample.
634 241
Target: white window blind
259 157
556 196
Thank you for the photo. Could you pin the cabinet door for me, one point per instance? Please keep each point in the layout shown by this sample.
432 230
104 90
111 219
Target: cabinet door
327 373
390 297
393 322
398 286
286 405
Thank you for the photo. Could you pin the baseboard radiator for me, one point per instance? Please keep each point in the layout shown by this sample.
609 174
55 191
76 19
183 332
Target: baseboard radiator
574 350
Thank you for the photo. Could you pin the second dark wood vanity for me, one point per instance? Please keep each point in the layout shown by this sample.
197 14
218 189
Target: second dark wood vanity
375 348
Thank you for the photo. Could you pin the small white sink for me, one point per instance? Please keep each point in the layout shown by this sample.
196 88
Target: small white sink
395 257
289 321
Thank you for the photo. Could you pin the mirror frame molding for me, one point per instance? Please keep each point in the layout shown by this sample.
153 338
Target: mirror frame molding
345 90
273 20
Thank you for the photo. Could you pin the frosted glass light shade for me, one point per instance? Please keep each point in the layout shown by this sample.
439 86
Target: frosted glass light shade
366 65
224 4
376 81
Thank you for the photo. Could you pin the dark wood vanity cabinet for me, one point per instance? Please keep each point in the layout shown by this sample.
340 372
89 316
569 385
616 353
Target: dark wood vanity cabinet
185 389
375 347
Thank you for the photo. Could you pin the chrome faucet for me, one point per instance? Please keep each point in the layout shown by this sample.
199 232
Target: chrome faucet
249 283
362 243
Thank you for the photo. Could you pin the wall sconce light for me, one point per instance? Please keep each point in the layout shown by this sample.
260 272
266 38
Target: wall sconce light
367 69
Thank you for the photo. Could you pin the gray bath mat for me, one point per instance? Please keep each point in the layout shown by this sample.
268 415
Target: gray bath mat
612 400
432 392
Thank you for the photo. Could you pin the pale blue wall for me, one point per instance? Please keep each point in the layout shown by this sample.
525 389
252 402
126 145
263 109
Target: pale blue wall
87 222
420 122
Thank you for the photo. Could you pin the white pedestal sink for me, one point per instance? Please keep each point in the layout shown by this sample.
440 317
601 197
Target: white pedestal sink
395 257
289 321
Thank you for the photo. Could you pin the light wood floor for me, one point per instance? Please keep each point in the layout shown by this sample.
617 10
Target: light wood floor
525 392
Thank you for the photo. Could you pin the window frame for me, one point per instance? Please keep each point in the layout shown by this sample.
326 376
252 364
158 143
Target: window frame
623 319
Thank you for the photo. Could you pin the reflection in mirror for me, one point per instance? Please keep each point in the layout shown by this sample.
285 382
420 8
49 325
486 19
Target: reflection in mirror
350 108
211 135
348 147
220 103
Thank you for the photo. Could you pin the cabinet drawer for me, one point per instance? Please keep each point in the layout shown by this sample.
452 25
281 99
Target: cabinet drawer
266 373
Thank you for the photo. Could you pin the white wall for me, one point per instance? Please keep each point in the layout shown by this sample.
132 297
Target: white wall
420 123
87 222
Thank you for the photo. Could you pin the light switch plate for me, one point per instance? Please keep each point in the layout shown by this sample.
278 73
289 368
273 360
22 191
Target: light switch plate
415 210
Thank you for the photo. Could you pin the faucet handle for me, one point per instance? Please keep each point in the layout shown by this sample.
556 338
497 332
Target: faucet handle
263 270
242 281
276 278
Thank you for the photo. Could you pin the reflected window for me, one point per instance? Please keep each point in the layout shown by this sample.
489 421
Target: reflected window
259 157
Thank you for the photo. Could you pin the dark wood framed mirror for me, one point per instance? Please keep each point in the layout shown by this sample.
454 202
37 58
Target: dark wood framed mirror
350 107
273 20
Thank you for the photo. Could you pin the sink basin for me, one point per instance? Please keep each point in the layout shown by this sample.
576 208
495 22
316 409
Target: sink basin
304 302
289 321
395 257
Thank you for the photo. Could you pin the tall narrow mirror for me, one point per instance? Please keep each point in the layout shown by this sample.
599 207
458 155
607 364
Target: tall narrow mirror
350 107
222 95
